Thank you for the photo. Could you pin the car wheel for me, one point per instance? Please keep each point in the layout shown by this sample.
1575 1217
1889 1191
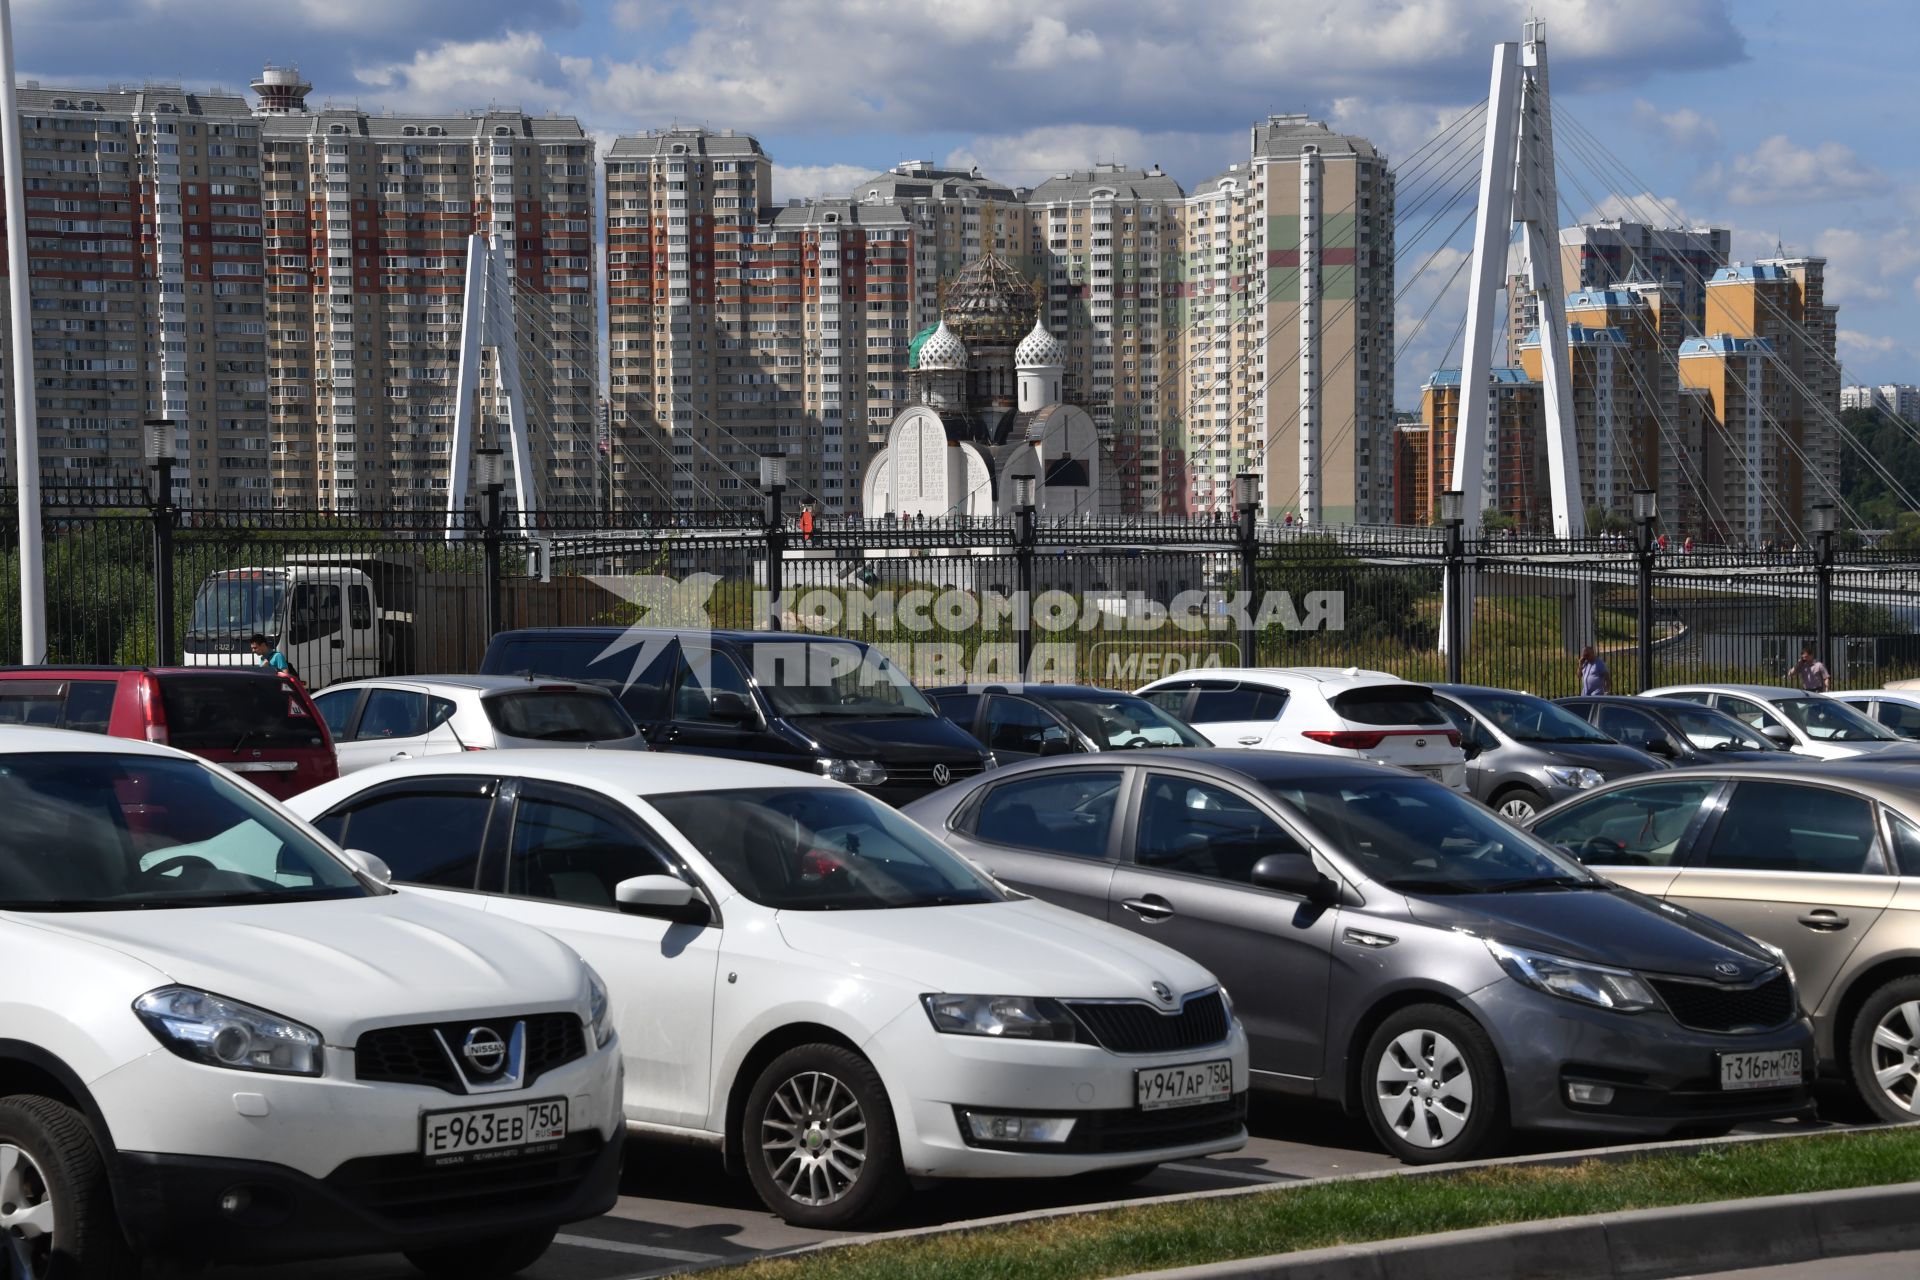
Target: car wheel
502 1255
56 1212
1432 1085
1519 804
820 1140
1885 1050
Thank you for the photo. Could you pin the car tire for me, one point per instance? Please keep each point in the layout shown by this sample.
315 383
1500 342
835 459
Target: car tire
1465 1117
502 1255
56 1209
1518 804
819 1138
1884 1050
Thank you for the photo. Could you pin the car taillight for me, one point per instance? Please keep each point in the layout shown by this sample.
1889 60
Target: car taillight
152 712
1346 739
476 748
1453 736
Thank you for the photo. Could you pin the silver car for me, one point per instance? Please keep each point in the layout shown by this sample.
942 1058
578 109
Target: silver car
1524 753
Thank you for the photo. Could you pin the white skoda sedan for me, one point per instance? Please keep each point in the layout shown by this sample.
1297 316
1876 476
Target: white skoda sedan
808 981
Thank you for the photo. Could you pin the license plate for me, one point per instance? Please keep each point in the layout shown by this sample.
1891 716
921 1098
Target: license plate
1760 1070
492 1133
1157 1088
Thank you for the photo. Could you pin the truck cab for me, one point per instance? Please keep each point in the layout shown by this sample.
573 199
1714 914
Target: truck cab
328 619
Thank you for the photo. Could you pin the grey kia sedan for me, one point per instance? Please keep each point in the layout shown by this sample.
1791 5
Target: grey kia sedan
1392 945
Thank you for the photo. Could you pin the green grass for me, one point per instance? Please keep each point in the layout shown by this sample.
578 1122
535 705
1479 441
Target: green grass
1121 1241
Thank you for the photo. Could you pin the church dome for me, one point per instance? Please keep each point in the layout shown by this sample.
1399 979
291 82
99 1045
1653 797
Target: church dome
989 301
942 350
1039 350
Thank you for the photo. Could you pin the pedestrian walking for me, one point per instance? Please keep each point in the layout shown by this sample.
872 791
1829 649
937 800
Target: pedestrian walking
268 656
1810 672
1595 677
1686 548
806 526
1663 544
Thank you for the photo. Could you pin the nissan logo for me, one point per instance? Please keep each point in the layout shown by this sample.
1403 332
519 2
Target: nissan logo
484 1051
1727 969
1164 991
942 775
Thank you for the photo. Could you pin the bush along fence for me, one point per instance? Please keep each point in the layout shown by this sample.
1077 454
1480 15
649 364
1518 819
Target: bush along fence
1111 602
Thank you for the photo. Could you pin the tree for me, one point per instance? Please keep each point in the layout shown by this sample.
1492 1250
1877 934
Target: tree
1494 520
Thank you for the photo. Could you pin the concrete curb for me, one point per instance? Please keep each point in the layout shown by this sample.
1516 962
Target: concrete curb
1645 1244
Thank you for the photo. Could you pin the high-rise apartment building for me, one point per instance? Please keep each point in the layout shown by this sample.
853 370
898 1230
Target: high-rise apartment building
1616 253
1514 479
143 228
1898 398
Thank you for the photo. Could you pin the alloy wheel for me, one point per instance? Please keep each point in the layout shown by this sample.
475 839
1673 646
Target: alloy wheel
813 1136
1517 810
1896 1055
1423 1086
26 1214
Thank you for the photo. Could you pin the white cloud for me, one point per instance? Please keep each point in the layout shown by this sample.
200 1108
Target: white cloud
1854 343
802 181
1684 128
1870 268
1030 158
1049 44
516 69
1781 171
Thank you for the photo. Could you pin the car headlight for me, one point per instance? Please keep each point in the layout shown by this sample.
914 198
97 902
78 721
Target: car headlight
1227 1002
860 773
1780 956
1008 1017
599 1010
219 1032
989 762
1618 989
1577 778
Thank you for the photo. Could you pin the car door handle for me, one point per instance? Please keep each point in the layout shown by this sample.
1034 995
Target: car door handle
401 755
1824 921
1254 741
1151 908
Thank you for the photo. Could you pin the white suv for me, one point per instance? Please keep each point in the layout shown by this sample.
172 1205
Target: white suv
1336 711
221 1040
376 721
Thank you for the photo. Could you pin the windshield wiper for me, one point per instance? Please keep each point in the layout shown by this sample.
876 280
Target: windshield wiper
1540 882
1432 886
241 741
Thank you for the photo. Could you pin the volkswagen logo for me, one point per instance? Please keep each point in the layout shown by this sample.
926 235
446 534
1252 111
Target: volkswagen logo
1164 991
942 775
484 1051
1727 969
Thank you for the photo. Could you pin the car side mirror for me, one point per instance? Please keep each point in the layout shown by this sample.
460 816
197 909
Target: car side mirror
1778 733
1052 746
1659 747
1295 873
375 869
733 707
661 898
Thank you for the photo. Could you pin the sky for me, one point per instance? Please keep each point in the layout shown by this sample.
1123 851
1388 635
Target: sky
1787 122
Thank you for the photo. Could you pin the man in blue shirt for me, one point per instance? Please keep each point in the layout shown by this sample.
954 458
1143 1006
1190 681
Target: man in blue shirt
1595 678
270 658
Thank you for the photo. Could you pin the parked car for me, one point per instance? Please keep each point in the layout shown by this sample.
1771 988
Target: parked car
1394 946
225 1041
1020 722
809 982
1369 716
1820 859
257 724
1523 753
1897 709
1811 723
375 721
832 707
1678 731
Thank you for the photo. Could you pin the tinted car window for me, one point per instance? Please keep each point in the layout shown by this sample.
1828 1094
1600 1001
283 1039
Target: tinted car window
1205 830
1901 717
1623 724
1748 712
336 708
1906 845
34 702
1240 702
643 691
571 853
832 678
1172 699
392 713
1068 813
559 717
1014 724
1389 704
1770 826
703 674
226 713
1122 720
425 837
89 706
1829 720
1472 732
1635 826
1525 718
959 708
1715 731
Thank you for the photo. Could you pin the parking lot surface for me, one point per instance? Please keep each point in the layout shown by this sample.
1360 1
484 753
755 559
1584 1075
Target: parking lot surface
679 1209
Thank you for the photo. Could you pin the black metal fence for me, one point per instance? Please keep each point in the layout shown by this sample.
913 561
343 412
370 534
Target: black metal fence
1107 602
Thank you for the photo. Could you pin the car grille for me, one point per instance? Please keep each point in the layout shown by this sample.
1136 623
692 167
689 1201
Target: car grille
1116 1132
1138 1027
1707 1006
403 1188
415 1055
921 775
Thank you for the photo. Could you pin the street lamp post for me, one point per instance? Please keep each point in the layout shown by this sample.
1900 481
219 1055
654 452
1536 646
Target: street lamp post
1824 524
160 460
1646 510
1453 514
773 485
1246 492
1025 534
490 474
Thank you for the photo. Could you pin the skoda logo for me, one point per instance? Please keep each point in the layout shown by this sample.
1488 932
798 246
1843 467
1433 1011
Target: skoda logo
484 1051
1164 991
1727 969
942 775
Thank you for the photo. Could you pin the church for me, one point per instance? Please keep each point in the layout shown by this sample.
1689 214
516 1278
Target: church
986 408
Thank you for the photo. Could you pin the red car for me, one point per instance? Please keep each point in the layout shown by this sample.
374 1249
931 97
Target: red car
260 725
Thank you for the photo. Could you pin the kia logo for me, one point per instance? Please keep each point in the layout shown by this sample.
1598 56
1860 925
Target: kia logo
1727 969
1164 991
942 775
1419 742
484 1051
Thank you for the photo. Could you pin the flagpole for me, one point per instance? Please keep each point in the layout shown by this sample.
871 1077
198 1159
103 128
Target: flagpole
25 413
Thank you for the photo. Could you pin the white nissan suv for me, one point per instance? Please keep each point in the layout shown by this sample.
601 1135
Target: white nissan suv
222 1041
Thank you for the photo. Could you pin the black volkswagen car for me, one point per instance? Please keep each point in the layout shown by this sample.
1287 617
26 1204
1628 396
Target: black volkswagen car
1677 731
1019 722
833 707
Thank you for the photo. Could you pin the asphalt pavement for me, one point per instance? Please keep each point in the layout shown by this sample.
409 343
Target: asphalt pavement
679 1209
1869 1266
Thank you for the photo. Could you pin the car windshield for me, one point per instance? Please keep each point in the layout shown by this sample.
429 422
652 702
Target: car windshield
833 678
1829 720
822 848
1416 836
238 604
1713 731
559 715
1525 718
87 832
1122 720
